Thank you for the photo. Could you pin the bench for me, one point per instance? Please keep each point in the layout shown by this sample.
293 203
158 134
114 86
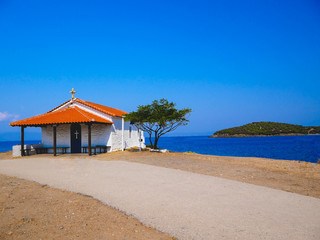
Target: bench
85 150
45 149
103 148
94 149
27 152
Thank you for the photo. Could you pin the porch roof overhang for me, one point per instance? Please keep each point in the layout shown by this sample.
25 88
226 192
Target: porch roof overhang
68 115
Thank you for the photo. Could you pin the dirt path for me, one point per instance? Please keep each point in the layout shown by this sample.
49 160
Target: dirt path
291 176
183 204
30 211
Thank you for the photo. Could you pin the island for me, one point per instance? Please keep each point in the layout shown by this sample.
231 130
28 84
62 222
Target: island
259 129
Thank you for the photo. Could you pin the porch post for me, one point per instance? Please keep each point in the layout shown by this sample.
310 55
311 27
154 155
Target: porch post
139 129
89 138
22 141
122 133
54 140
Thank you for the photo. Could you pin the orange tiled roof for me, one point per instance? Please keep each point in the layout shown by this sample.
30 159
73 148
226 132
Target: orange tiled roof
66 115
108 110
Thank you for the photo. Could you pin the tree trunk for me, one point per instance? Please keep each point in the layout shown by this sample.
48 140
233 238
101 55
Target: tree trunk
150 134
156 138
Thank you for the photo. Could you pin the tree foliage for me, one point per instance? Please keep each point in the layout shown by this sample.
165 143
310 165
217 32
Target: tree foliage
158 118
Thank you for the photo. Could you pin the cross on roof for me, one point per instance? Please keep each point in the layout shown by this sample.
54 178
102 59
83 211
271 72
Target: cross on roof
73 92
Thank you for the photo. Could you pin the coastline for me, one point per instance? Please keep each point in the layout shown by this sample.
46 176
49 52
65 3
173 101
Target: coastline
301 148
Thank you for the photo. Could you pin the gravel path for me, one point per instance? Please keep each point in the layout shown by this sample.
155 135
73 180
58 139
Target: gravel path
183 204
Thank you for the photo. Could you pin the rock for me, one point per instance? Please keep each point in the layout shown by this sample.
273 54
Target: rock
158 150
154 150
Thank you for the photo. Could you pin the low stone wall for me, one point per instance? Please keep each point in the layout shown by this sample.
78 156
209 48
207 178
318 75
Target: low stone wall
16 150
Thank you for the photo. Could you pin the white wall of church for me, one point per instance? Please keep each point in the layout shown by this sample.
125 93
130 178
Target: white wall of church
100 135
105 135
131 138
63 136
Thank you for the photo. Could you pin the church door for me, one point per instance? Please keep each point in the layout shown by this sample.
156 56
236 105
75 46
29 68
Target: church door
75 131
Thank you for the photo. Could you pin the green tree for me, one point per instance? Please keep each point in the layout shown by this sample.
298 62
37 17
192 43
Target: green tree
158 118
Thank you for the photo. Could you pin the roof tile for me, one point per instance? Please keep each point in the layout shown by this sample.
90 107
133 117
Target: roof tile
105 109
67 115
108 110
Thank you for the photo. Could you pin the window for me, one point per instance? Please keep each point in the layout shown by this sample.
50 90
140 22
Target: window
130 128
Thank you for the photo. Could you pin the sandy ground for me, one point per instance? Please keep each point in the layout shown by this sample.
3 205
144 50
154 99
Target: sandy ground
29 210
184 204
292 176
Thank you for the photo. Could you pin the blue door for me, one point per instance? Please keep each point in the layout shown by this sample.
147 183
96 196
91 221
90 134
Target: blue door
75 131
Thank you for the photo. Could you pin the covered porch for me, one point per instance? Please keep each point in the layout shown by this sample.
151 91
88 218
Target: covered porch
71 127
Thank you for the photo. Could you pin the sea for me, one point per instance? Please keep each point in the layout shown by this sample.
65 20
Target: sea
7 145
301 148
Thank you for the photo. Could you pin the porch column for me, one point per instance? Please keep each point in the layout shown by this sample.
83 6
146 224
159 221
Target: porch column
122 133
89 139
139 130
54 140
22 141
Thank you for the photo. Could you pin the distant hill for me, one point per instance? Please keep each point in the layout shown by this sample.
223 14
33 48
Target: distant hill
266 129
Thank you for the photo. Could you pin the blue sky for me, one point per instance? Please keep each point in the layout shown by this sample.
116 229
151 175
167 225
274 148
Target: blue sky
232 62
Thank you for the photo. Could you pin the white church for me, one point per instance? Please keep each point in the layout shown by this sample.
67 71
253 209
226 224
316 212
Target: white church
79 126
